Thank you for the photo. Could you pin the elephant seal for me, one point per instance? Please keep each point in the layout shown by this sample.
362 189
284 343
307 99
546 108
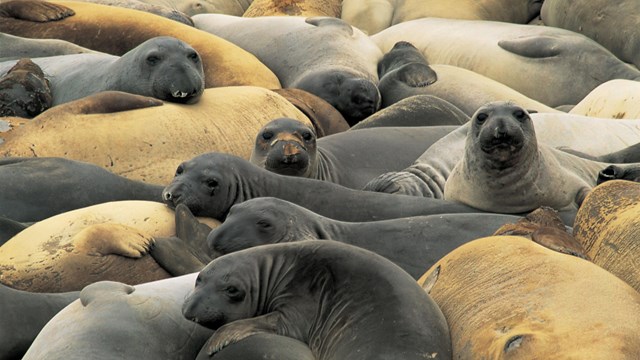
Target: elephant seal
340 67
308 8
600 21
510 53
115 320
416 110
312 291
606 227
162 67
413 243
211 183
194 7
614 99
427 175
33 187
630 172
16 48
24 90
115 31
351 159
405 72
24 315
373 16
529 298
263 346
505 169
108 241
151 143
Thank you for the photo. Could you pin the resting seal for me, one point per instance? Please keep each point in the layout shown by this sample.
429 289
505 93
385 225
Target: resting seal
322 55
115 320
614 99
289 147
16 48
314 291
505 169
163 67
211 183
413 243
24 91
567 65
529 296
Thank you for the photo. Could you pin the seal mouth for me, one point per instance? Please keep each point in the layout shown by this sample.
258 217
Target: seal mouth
501 145
182 97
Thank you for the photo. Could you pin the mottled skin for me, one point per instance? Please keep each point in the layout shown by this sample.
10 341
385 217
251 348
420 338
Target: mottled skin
211 183
289 147
413 243
343 301
162 67
24 90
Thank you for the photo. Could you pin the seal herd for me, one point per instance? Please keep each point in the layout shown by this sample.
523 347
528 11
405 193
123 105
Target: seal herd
319 179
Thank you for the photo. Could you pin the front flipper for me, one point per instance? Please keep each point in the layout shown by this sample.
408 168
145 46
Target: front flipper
37 11
417 75
193 233
112 239
402 183
175 256
535 47
240 329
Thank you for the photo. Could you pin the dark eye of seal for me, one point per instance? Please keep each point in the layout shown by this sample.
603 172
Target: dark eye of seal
306 135
153 59
481 118
264 224
234 293
212 183
194 57
519 114
267 135
179 170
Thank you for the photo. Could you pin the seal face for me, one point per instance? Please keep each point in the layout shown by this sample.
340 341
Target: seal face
287 147
168 68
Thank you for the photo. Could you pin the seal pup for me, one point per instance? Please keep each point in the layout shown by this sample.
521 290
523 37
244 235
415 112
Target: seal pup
290 147
162 67
413 243
505 169
24 90
343 301
209 184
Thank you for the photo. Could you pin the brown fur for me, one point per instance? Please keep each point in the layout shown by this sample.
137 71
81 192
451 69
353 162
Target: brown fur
294 8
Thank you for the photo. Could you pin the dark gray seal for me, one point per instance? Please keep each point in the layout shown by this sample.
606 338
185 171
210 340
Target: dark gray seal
24 314
289 147
34 189
163 67
24 91
413 243
211 183
343 301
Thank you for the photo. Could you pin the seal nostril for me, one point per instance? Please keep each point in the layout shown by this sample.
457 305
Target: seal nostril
167 196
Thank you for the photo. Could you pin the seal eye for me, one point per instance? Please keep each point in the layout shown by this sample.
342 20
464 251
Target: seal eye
179 170
211 183
153 59
480 118
198 280
264 224
306 135
234 293
267 135
519 114
194 57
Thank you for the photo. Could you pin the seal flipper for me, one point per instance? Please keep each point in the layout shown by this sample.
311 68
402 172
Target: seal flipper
235 331
106 102
98 289
535 47
173 255
37 11
193 233
330 21
112 239
417 75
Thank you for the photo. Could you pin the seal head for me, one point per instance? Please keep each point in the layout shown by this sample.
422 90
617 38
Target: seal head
287 147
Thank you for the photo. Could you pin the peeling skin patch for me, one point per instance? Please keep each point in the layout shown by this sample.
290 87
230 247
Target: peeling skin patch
4 126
